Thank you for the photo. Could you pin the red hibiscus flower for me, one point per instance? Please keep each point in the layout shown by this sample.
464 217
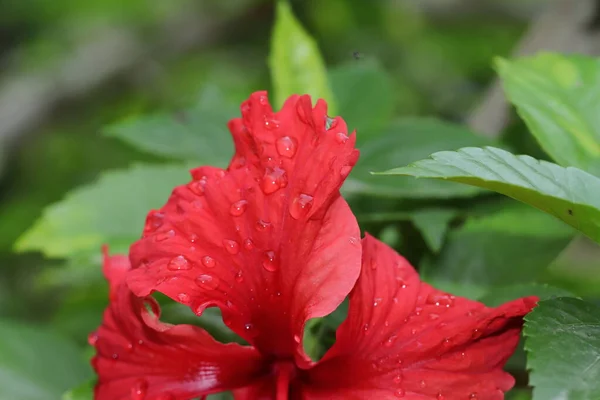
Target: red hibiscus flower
271 242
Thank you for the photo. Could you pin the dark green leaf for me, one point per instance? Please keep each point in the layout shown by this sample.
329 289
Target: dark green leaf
405 141
37 364
433 224
199 134
295 62
569 193
511 246
111 210
562 339
557 97
365 97
503 294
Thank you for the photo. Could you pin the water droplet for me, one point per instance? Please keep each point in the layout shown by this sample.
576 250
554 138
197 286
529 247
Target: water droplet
297 338
365 327
262 225
208 262
238 208
286 146
271 123
473 396
345 171
341 137
398 379
447 342
390 341
115 356
273 180
198 187
300 205
377 301
440 299
162 236
183 298
399 393
239 277
193 238
93 338
440 396
231 246
129 347
154 220
422 384
477 333
248 244
207 281
250 330
179 263
139 390
269 261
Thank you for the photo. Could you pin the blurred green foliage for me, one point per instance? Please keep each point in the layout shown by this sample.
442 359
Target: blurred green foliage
102 156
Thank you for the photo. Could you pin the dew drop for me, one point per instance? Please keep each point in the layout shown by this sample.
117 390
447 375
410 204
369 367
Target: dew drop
207 281
390 341
269 261
399 393
261 225
365 327
208 262
193 238
286 146
345 171
300 205
341 137
93 338
377 301
273 180
179 263
422 384
250 330
231 246
239 277
238 208
440 396
154 220
271 123
248 244
440 300
162 236
198 187
473 396
398 379
139 390
183 298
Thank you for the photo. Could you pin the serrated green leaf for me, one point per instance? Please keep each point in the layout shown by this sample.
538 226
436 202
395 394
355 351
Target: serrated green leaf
502 294
36 363
433 225
199 134
562 339
557 97
512 246
365 97
295 61
84 391
569 193
111 210
404 141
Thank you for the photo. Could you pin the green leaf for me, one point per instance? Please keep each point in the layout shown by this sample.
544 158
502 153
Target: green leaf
500 295
569 193
365 97
433 225
557 97
562 339
199 134
295 62
404 141
81 392
511 246
37 364
111 210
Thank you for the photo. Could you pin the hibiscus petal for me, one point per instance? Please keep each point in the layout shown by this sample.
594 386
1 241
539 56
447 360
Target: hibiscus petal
403 338
138 357
269 240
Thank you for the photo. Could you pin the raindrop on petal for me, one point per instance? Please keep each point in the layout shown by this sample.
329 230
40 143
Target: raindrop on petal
399 393
341 137
269 261
345 171
300 205
183 298
286 146
239 277
248 244
238 208
390 341
273 180
179 263
207 281
231 246
162 236
262 225
208 262
139 390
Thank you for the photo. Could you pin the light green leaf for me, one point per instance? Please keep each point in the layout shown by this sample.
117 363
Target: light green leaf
512 246
569 193
562 339
404 141
502 294
37 364
558 97
365 97
295 62
433 225
81 392
111 210
199 134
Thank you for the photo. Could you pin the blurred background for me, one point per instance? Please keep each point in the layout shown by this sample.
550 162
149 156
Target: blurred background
69 69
